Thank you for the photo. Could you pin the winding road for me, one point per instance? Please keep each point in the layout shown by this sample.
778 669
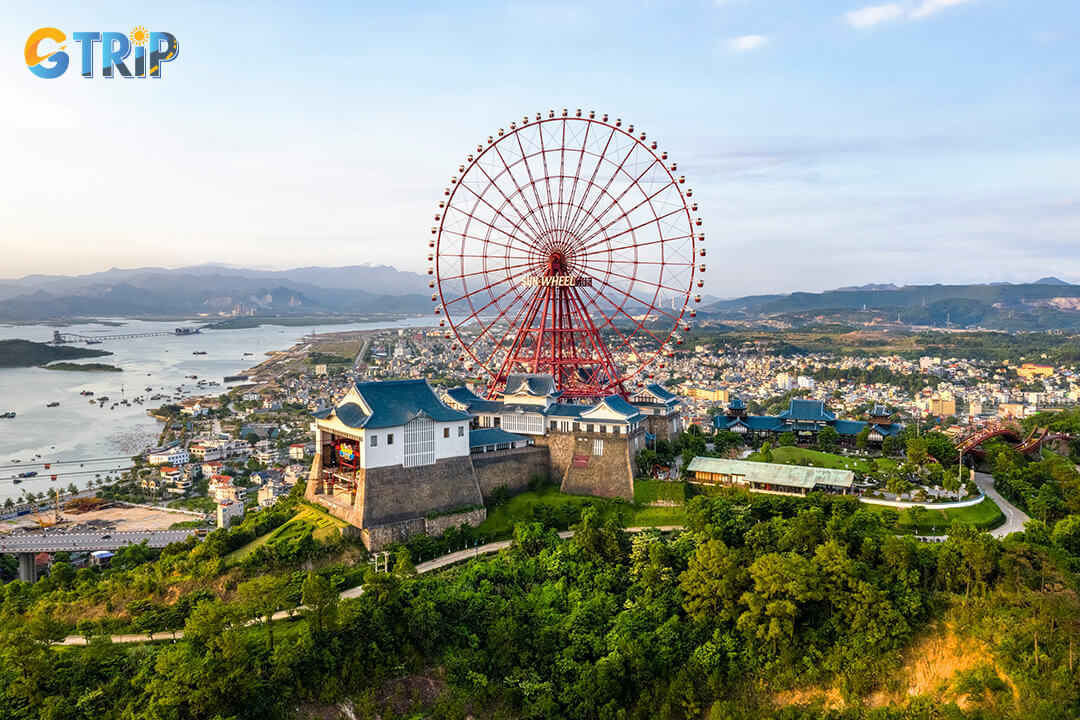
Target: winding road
1014 516
424 567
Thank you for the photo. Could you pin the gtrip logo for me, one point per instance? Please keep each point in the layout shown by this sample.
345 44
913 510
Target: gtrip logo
46 54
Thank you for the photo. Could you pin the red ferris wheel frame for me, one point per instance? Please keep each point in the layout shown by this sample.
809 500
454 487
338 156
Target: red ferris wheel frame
561 240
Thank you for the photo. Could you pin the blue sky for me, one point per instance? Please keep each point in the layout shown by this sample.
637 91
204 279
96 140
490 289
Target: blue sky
829 143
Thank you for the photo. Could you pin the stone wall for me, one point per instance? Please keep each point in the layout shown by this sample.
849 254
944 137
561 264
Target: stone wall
438 525
391 502
512 468
608 475
394 494
660 425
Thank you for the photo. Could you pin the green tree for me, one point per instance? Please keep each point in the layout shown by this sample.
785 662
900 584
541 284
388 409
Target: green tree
320 600
263 596
712 584
828 439
787 439
862 438
766 452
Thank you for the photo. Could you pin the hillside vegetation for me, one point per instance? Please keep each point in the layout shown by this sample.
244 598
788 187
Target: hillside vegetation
763 607
25 353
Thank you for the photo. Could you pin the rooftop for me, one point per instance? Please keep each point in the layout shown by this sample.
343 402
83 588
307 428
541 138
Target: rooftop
774 473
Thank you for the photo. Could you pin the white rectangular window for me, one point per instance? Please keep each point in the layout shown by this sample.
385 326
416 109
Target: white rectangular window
445 433
461 431
390 438
419 442
616 429
588 427
527 423
597 447
374 440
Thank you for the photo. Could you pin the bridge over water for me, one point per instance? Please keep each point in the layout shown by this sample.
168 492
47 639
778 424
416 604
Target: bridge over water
60 338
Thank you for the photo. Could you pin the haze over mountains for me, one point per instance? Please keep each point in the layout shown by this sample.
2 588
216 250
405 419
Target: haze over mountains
1046 304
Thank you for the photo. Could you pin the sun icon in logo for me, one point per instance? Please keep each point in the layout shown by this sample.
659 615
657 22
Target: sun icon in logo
139 35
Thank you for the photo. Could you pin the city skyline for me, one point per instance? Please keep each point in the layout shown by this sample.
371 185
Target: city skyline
843 144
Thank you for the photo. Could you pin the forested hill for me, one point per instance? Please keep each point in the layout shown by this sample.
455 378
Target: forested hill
765 607
1044 305
25 353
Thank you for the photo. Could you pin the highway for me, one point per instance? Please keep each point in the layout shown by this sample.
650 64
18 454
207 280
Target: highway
56 541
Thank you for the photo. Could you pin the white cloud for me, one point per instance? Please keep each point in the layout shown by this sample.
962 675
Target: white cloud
748 42
874 14
929 7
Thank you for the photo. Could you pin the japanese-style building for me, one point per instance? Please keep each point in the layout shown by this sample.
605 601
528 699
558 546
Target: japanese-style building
804 419
772 478
395 459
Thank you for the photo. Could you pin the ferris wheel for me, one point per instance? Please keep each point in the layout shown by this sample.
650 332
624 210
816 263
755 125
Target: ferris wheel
567 245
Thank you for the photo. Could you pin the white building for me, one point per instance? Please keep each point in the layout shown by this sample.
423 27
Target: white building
227 511
784 381
268 453
392 423
167 456
805 382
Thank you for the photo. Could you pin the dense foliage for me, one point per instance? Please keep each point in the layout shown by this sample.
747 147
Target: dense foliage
759 594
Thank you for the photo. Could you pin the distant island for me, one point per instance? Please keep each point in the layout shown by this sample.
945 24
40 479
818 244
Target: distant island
25 353
84 367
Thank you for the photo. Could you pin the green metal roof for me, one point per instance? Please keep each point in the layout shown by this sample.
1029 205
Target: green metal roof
774 473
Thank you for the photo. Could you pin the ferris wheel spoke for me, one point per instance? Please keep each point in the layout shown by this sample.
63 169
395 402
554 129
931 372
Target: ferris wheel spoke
654 220
607 186
565 217
592 179
497 212
532 182
483 272
536 230
476 314
547 177
616 202
642 244
639 325
631 296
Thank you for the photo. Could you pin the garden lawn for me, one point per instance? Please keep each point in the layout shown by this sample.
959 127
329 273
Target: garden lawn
550 503
322 525
802 456
985 515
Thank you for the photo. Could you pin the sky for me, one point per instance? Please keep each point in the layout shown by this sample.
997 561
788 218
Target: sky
828 142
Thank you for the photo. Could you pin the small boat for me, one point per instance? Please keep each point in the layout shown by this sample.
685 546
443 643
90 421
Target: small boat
16 480
199 352
8 414
54 403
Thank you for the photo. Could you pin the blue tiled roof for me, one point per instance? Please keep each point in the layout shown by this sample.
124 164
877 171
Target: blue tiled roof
493 436
617 404
812 410
352 415
394 403
566 410
530 384
663 394
472 401
736 404
887 430
849 427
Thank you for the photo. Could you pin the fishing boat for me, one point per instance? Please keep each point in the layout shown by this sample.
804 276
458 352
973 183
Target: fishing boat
54 403
8 414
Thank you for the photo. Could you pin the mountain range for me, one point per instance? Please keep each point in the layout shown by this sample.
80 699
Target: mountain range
1046 304
211 289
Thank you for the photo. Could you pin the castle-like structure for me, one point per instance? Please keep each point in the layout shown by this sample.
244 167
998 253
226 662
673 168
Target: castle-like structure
395 459
805 419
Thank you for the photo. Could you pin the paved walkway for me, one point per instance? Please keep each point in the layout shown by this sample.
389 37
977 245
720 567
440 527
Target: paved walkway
1014 516
424 567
